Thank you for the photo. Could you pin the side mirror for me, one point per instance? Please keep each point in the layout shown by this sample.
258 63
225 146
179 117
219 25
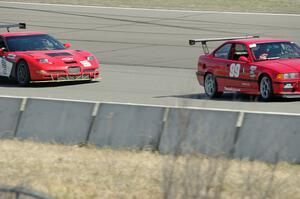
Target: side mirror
1 52
243 59
67 45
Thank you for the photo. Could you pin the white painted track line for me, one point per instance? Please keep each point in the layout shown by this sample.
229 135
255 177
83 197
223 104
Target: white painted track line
158 10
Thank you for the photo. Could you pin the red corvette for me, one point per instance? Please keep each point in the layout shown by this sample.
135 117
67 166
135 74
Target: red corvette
251 65
36 56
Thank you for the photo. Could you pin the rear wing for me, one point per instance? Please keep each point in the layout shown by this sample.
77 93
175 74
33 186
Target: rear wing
203 41
8 26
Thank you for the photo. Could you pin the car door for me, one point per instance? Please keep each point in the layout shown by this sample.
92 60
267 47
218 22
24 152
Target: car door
221 62
241 72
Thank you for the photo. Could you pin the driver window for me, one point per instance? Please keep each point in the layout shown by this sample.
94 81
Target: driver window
223 52
238 51
2 44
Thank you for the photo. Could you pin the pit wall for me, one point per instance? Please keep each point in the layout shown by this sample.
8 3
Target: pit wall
170 130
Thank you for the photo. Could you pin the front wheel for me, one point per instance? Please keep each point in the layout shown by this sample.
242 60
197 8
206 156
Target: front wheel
266 88
210 86
23 75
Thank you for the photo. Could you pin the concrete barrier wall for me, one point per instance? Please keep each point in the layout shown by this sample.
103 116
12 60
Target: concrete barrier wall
9 114
63 122
208 132
269 138
266 137
127 126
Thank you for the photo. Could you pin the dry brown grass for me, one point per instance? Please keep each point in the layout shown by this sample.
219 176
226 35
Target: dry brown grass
87 172
282 6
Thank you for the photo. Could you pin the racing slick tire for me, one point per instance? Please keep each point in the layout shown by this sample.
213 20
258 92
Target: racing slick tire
211 86
266 88
22 73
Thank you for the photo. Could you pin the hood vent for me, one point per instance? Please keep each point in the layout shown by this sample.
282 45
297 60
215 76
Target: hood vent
70 62
58 54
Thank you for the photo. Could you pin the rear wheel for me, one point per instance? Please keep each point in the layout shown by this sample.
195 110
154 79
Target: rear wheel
210 86
22 73
266 88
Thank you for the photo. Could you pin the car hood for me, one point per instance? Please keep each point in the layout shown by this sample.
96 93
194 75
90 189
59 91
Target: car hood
58 56
282 65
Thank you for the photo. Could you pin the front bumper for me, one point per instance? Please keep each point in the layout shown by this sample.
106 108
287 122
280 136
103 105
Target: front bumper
288 96
67 77
286 88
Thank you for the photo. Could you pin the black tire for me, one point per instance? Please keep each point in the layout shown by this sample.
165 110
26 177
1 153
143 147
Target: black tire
211 86
266 88
22 73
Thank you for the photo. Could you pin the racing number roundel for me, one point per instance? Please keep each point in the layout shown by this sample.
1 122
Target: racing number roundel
234 70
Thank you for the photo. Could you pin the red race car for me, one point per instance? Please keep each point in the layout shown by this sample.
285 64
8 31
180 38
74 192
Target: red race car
251 65
36 56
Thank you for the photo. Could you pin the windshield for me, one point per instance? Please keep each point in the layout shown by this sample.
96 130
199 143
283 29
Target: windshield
33 43
275 50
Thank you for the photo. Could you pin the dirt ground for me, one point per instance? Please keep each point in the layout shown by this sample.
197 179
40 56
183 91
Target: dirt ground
69 172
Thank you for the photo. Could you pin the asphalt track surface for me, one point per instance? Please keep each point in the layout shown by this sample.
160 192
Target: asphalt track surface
144 54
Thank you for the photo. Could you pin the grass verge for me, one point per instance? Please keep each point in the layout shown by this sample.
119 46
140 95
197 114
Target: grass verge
88 172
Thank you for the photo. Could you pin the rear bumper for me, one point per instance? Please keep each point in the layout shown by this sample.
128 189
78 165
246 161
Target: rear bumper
200 77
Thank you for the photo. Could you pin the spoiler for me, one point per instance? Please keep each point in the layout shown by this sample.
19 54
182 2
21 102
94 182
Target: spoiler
203 41
19 25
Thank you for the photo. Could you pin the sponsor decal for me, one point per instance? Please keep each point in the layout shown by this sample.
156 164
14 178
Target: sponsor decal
245 84
288 86
252 71
5 67
86 63
11 56
232 89
252 46
67 59
243 70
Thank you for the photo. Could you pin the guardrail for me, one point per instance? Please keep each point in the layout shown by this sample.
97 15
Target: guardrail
268 137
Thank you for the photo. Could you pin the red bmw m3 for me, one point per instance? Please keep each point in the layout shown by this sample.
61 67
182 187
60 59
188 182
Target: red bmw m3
251 65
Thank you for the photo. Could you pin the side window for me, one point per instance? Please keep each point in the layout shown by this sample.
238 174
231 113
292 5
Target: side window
223 52
239 50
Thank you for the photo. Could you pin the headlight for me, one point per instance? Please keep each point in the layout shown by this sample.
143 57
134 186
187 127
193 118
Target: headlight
90 58
287 75
43 60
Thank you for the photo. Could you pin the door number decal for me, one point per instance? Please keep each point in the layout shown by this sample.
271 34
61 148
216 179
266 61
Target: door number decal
234 70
